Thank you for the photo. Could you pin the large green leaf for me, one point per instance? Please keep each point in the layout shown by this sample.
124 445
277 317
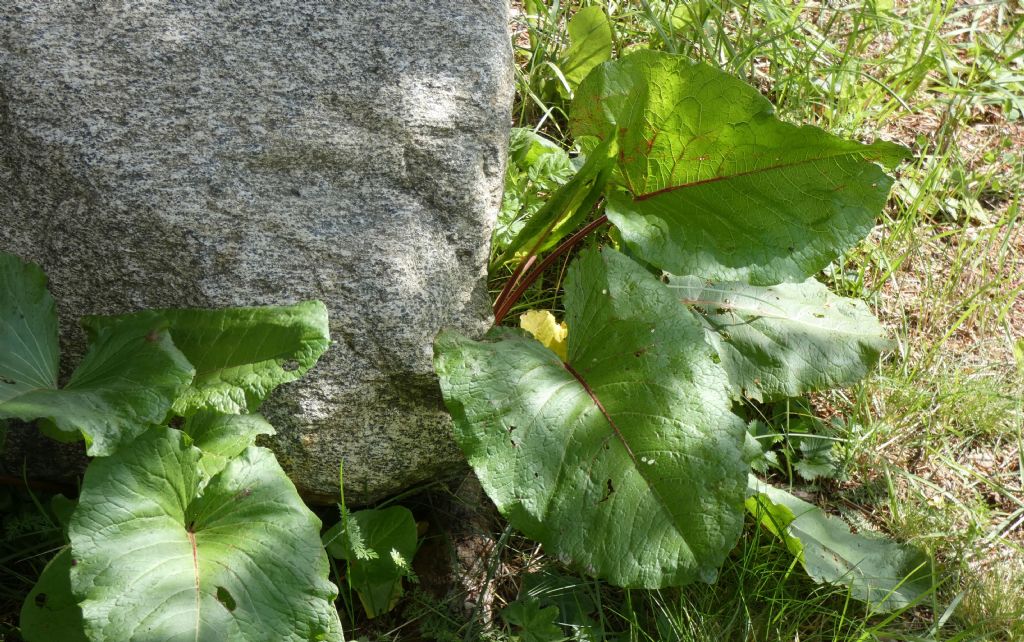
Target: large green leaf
390 533
240 354
885 574
155 561
30 357
51 612
714 185
126 381
590 44
787 339
626 460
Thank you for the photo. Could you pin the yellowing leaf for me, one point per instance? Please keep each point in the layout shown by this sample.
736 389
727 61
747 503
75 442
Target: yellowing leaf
544 328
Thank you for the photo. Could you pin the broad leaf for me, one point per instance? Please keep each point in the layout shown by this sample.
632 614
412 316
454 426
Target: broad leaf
885 574
714 185
240 354
126 381
223 437
392 536
787 339
30 357
590 44
157 561
625 461
50 611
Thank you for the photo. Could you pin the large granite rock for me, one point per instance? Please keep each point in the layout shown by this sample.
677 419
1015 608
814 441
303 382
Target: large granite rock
204 154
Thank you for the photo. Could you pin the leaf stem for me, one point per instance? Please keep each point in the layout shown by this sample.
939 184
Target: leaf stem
503 305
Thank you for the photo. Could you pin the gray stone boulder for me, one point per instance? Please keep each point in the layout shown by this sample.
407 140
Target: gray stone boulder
221 153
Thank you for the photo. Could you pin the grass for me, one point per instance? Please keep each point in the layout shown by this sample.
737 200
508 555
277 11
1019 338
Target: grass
931 446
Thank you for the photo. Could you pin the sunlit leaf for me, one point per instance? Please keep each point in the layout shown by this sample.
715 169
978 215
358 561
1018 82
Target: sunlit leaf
626 460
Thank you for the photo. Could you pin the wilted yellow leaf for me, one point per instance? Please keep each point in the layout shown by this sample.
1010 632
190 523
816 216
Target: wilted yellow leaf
544 328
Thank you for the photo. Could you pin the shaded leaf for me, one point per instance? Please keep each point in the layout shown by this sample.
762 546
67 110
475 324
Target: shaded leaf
240 354
126 381
392 536
63 508
574 599
536 624
787 339
157 561
885 574
30 358
50 611
608 458
714 185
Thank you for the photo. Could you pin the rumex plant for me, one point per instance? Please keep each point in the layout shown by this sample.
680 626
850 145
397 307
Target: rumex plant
184 528
626 458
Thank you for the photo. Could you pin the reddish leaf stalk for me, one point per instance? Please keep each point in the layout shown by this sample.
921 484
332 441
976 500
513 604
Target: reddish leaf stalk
503 305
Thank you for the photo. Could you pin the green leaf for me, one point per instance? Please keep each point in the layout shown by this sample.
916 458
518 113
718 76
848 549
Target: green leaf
50 611
536 624
62 509
610 458
590 44
157 561
30 357
223 437
714 185
885 574
126 381
240 354
787 339
391 534
573 597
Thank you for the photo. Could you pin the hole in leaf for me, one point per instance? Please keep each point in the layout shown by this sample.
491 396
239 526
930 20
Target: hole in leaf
224 597
290 365
40 600
7 381
511 428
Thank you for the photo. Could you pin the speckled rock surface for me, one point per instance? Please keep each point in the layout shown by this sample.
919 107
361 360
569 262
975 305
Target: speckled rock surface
224 153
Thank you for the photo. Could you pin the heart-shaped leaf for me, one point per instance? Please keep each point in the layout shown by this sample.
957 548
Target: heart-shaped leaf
626 460
784 340
155 560
126 381
714 185
240 354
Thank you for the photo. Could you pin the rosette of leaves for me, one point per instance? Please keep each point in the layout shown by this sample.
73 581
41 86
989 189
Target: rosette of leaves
626 460
190 534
